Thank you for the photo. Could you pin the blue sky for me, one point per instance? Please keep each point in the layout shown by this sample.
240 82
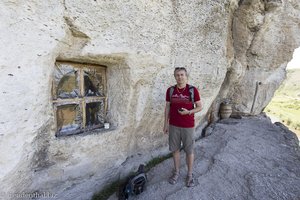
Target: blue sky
295 62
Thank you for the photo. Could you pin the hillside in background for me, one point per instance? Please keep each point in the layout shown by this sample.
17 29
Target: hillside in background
285 105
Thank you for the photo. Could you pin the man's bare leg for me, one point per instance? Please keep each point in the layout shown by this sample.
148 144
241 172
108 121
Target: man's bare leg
176 159
175 175
190 162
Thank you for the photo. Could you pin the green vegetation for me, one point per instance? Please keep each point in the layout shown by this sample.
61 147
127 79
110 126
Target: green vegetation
285 104
114 187
107 191
155 161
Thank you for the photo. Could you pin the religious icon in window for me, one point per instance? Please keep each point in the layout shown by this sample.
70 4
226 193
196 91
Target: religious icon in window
79 97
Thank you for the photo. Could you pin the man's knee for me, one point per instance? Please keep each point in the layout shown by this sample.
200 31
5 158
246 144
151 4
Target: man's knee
189 147
189 152
176 152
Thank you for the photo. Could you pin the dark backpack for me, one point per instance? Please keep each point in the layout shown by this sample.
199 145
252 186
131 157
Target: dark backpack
134 185
191 91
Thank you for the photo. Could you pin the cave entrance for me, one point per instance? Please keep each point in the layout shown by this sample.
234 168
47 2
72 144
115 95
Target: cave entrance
285 105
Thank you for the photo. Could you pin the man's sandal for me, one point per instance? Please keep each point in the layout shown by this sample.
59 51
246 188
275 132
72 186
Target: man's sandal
190 181
173 179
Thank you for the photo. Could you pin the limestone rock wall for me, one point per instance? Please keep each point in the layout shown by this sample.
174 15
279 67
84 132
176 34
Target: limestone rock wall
226 46
263 39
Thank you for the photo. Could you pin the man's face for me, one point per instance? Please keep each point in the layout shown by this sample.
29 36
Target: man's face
180 76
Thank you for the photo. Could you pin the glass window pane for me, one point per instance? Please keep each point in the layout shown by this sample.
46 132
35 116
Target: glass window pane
66 81
93 83
95 113
68 118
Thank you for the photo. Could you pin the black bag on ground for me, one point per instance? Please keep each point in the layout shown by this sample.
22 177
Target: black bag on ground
134 185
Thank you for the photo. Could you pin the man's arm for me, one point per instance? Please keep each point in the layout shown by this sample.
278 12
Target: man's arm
195 110
167 116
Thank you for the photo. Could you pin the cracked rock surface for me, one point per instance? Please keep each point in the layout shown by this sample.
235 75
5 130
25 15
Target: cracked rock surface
248 158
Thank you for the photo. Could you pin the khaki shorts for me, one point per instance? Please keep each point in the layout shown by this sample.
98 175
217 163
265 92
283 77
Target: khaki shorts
184 135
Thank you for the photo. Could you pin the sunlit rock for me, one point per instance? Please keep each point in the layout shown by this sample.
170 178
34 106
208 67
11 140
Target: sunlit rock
234 50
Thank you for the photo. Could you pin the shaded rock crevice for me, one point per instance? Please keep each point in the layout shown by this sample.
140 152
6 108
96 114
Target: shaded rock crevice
40 159
74 29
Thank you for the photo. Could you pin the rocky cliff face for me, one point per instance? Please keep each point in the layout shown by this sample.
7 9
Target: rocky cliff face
232 49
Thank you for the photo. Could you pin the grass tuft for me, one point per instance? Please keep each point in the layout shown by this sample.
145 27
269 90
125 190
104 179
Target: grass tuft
155 161
107 191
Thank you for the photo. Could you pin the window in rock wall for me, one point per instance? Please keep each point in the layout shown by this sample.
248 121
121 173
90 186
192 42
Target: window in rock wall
79 97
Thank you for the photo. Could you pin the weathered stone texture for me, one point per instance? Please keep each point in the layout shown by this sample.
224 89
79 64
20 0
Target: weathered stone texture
263 47
226 46
248 158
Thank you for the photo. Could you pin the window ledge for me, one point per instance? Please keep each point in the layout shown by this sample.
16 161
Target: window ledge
97 131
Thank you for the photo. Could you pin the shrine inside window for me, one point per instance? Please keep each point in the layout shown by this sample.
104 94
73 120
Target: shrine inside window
79 97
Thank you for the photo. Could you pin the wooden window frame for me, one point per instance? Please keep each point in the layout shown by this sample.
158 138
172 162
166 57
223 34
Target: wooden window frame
81 100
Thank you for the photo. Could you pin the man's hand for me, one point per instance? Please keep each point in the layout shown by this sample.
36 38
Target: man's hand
184 111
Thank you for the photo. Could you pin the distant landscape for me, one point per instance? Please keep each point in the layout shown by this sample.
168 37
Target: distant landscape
285 105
